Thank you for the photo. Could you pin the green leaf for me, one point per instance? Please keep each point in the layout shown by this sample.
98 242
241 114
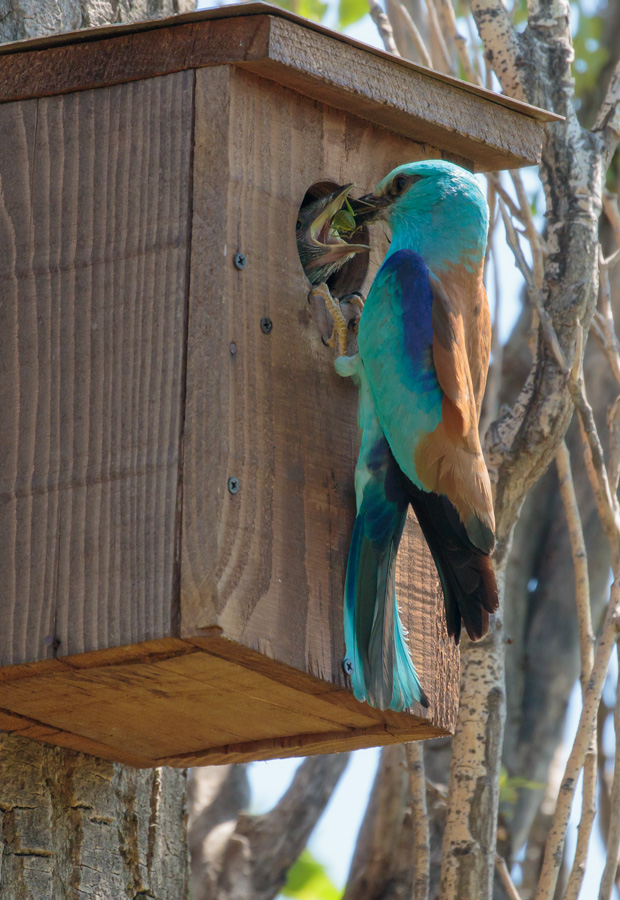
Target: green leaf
308 880
509 787
309 9
351 11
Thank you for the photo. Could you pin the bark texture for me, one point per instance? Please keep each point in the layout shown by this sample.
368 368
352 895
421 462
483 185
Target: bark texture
34 18
73 827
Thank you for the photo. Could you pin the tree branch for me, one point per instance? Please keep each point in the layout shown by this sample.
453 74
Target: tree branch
586 644
376 854
612 861
576 759
421 836
608 118
383 26
274 840
501 44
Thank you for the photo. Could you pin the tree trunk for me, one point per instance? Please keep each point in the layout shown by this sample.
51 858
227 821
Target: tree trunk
34 18
73 827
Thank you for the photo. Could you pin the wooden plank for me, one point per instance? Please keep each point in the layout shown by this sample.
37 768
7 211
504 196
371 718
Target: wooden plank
470 123
132 57
407 102
303 745
266 565
174 706
233 11
29 728
93 250
195 708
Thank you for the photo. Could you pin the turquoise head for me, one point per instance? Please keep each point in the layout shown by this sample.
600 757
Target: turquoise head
433 207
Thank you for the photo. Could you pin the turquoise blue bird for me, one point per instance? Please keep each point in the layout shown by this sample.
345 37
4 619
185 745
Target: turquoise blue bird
424 340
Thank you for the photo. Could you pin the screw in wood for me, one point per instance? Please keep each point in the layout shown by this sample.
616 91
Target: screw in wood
233 485
347 665
233 348
239 260
266 324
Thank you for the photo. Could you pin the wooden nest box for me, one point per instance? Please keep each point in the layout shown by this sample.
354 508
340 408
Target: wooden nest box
176 450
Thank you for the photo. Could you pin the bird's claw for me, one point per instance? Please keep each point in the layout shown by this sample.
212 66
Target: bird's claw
338 339
356 298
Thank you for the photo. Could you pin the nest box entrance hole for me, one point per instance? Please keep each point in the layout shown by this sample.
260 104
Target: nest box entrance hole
350 276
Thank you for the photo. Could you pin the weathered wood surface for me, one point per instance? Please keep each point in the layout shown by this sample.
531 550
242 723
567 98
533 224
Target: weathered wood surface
174 702
136 381
410 101
75 826
267 564
94 228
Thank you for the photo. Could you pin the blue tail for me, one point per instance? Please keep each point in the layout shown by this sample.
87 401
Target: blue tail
383 672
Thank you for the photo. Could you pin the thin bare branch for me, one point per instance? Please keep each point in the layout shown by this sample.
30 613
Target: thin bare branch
400 12
383 26
604 777
503 193
610 205
583 738
580 561
494 378
586 644
421 840
613 467
533 291
534 238
608 118
447 18
612 857
504 874
445 64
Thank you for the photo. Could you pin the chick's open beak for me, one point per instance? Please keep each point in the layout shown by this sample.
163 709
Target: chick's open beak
323 235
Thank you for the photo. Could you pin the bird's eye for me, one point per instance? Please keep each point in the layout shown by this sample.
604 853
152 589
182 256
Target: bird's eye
299 225
400 183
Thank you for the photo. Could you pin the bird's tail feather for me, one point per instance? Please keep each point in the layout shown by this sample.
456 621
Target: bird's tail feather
466 573
382 673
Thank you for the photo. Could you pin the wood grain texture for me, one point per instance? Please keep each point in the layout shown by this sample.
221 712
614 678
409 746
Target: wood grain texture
94 230
266 565
170 702
406 101
74 826
471 124
136 381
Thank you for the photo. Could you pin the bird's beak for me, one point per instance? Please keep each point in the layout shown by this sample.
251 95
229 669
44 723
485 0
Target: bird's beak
369 208
322 233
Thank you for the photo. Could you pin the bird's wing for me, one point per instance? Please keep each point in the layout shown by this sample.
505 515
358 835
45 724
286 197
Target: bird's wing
412 345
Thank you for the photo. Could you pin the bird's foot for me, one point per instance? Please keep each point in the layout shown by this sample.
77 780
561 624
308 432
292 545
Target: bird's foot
338 339
356 298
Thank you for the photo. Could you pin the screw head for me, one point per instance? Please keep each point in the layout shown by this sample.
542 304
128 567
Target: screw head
233 348
239 260
266 324
347 665
233 485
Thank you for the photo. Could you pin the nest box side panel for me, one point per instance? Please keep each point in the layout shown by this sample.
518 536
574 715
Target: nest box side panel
264 556
93 270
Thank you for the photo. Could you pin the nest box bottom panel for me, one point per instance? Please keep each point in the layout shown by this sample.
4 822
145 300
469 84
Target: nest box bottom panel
179 703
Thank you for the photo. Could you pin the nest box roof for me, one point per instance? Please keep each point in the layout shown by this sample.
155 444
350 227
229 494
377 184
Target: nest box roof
481 127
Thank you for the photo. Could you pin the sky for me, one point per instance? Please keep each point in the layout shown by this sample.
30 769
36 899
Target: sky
334 837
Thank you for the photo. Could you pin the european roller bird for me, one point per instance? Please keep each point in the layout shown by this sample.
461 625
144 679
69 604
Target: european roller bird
424 342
